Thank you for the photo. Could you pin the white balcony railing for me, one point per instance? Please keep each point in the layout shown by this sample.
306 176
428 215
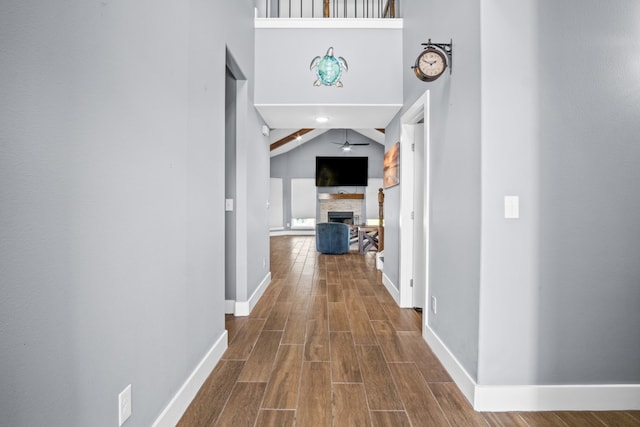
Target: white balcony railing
327 8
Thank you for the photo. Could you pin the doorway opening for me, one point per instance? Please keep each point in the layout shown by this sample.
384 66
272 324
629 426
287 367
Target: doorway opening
235 216
415 207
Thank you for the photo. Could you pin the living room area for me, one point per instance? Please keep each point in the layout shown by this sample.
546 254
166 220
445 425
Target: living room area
318 181
322 183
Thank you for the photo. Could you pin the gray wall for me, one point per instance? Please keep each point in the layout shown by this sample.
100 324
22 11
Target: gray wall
509 271
454 168
112 203
392 213
548 298
589 199
301 162
284 55
559 286
255 169
252 154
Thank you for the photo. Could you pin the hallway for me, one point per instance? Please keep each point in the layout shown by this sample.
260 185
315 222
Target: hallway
327 345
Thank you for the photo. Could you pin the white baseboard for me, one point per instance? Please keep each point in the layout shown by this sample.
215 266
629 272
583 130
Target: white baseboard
243 308
507 398
460 376
393 290
180 402
229 306
608 397
300 232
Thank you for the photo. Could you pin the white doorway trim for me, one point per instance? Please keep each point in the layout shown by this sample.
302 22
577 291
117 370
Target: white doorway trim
420 170
405 290
417 113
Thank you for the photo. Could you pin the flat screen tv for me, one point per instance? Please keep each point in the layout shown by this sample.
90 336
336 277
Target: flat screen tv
342 171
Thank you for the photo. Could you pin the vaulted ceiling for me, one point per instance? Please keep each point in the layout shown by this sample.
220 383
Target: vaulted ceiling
284 140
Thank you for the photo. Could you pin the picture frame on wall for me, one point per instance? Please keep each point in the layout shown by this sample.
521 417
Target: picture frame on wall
391 166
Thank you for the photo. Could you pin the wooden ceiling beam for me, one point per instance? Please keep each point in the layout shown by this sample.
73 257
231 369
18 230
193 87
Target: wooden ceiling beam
279 143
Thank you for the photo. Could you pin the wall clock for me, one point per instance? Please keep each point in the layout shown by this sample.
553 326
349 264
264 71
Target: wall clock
433 61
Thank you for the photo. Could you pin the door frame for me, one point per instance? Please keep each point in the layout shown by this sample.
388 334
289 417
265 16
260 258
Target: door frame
241 305
417 113
420 170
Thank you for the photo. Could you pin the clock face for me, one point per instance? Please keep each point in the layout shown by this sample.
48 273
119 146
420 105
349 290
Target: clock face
430 65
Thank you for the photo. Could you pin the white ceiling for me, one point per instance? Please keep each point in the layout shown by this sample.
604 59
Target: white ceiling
339 116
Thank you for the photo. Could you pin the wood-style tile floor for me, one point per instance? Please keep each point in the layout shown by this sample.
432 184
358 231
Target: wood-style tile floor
326 345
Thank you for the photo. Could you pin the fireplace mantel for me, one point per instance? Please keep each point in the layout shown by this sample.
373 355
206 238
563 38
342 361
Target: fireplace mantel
340 196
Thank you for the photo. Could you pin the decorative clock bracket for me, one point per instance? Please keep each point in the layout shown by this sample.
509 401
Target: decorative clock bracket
447 48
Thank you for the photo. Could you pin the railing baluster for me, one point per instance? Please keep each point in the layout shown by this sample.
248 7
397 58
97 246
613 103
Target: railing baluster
332 9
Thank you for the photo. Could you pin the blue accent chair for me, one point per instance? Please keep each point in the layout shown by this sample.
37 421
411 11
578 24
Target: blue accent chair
333 238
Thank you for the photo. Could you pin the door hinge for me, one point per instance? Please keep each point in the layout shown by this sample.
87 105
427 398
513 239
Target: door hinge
411 283
413 215
413 146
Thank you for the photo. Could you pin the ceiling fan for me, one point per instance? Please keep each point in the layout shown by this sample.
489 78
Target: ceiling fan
346 145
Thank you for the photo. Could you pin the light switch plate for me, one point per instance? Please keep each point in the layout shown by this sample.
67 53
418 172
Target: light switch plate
511 207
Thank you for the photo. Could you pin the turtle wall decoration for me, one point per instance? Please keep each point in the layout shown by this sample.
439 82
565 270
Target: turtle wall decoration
329 69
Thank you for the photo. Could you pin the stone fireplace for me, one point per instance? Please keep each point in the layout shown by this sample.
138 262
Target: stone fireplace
340 202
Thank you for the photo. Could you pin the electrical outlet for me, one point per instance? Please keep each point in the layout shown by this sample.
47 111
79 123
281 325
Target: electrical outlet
434 306
124 405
